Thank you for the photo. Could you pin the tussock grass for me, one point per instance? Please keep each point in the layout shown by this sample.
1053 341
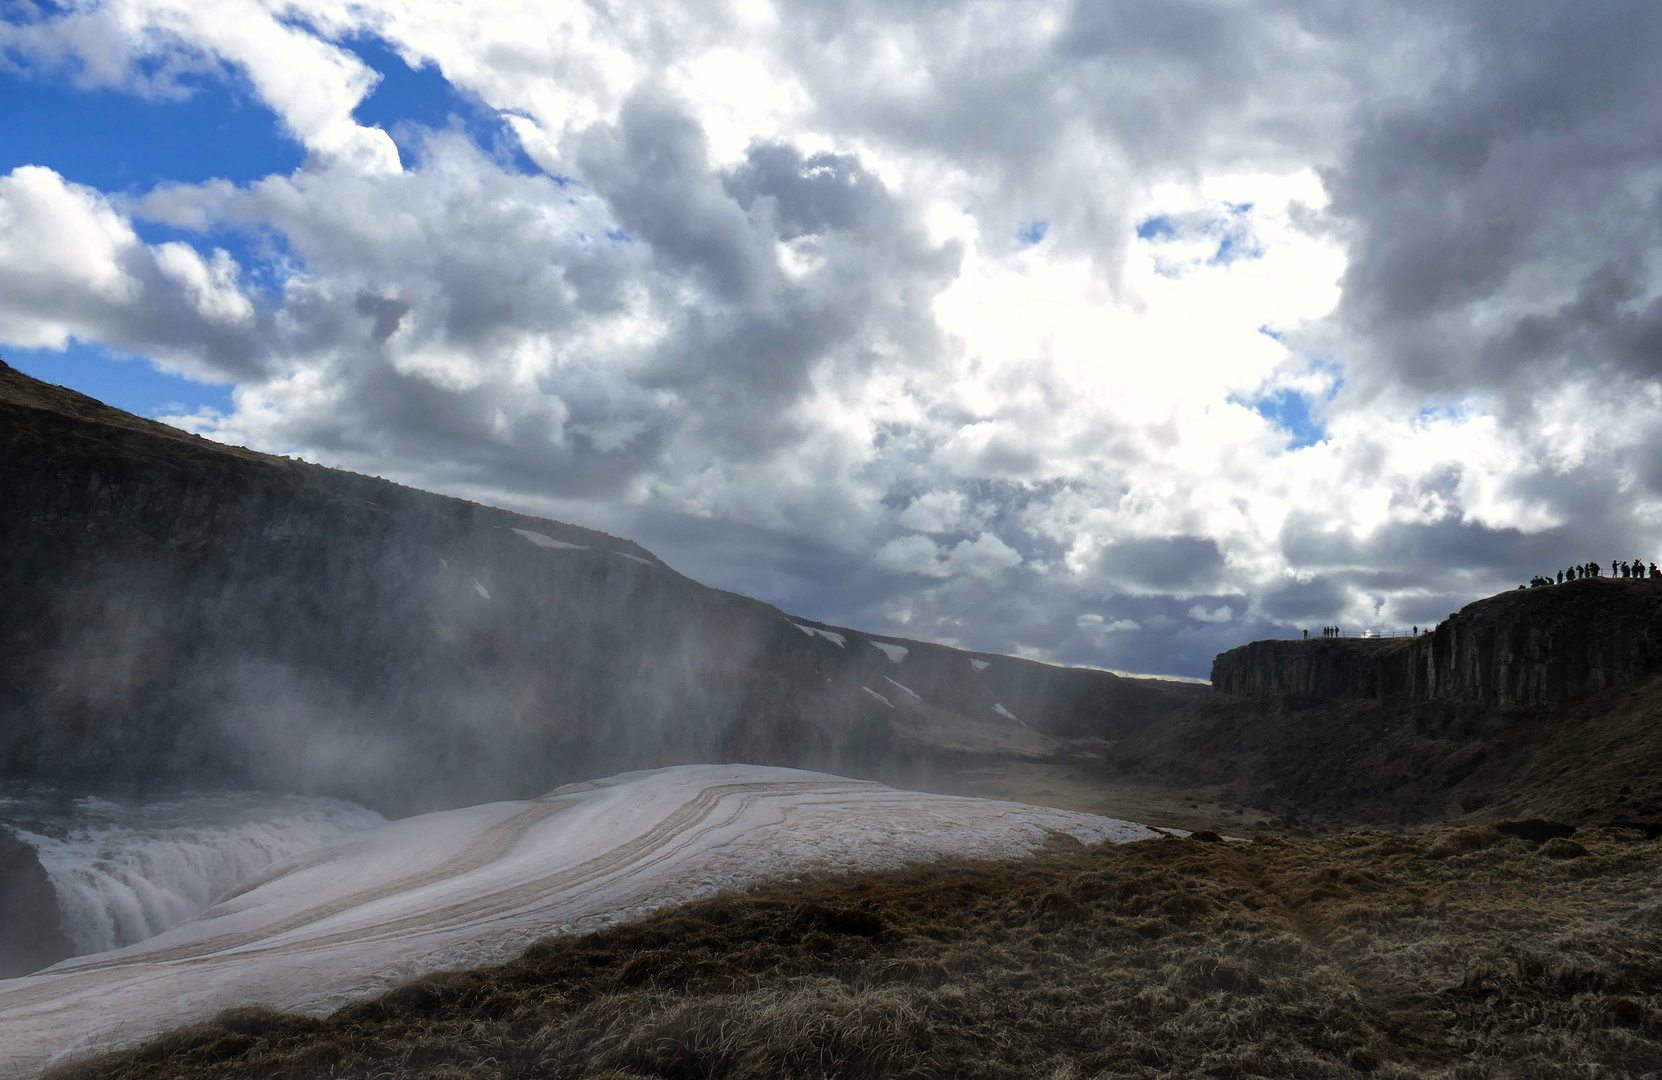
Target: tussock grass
1459 954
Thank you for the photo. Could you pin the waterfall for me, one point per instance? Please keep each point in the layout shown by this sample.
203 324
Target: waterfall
127 867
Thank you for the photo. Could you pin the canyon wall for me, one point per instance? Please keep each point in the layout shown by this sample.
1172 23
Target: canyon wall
179 609
1525 647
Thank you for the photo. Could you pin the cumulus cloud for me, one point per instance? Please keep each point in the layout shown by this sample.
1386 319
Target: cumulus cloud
1106 333
72 266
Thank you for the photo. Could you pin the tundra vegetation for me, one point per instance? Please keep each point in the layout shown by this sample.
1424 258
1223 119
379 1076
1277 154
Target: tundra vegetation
1460 953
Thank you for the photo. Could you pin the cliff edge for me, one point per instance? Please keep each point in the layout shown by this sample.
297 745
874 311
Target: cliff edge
1525 647
1543 702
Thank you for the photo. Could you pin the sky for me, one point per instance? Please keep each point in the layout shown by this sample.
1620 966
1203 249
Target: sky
1112 334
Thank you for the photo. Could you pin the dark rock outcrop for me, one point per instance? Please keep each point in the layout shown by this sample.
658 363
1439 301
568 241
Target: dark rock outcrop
1317 668
1532 704
1526 647
31 930
176 608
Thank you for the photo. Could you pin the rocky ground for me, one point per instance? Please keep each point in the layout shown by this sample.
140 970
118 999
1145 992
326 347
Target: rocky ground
1086 784
1455 954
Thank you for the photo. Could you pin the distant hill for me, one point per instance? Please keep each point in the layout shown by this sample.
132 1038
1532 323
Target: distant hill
180 610
1536 702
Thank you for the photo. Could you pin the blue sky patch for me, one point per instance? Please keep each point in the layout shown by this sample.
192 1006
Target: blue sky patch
131 384
409 101
1236 241
1236 246
1156 228
1289 410
117 142
1032 232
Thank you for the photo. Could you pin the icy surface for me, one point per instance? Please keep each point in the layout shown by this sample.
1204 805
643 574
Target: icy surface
896 653
979 665
541 540
1006 713
480 589
470 886
878 696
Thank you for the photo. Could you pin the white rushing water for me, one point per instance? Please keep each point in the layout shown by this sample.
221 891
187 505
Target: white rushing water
128 866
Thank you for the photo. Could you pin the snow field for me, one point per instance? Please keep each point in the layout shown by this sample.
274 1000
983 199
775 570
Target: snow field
462 887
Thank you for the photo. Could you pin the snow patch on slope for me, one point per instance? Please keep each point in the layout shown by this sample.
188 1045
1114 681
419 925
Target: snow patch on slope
543 541
834 638
476 885
895 653
979 665
906 689
878 696
1006 713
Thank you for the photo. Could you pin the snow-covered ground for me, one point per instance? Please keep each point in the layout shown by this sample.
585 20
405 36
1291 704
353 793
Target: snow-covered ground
371 909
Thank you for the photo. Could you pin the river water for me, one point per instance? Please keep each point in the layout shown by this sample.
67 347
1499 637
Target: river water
129 864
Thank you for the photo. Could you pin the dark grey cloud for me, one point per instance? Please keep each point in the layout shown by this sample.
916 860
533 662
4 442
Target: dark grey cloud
1171 562
810 196
653 170
1504 218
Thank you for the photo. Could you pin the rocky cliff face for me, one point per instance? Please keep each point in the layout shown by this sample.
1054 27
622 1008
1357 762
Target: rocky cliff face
31 931
1527 647
175 608
1317 668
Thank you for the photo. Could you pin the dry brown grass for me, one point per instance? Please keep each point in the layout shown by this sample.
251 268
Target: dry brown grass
1464 954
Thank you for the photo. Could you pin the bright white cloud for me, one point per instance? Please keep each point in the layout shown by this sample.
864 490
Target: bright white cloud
72 266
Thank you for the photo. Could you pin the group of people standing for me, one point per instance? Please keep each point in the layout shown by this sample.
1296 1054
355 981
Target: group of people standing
1634 569
1334 631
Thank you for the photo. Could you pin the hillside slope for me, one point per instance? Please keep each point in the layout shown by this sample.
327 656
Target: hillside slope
181 610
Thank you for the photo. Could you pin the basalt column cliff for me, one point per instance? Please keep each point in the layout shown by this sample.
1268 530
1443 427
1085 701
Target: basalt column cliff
1528 647
1536 702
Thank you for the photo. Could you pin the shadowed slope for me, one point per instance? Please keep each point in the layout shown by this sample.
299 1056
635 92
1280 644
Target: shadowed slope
177 609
